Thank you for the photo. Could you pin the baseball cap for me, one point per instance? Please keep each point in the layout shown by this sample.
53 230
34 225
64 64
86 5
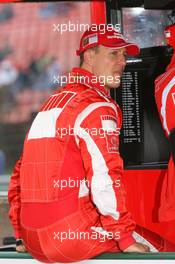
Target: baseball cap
170 35
108 37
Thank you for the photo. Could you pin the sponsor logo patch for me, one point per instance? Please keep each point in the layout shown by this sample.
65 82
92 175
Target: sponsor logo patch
90 40
109 125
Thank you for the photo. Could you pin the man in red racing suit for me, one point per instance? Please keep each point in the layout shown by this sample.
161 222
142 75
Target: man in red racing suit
66 193
165 99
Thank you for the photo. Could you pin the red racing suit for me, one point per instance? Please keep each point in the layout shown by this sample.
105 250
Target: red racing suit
165 100
70 176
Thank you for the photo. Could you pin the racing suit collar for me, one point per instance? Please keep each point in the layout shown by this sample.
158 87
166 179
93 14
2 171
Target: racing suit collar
89 81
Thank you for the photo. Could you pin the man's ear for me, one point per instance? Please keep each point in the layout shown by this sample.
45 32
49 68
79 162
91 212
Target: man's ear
89 57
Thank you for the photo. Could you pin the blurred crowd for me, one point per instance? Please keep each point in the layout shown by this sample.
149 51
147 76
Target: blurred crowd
24 86
29 60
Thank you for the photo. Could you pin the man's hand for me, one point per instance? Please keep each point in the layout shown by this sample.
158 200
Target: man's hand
21 249
20 246
138 248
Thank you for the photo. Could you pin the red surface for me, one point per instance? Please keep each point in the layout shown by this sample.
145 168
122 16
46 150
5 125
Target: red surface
143 198
98 12
10 1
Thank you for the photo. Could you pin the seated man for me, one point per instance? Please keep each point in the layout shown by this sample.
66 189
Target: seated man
165 99
66 193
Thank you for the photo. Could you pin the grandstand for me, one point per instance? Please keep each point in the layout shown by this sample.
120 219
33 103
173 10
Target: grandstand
28 32
32 51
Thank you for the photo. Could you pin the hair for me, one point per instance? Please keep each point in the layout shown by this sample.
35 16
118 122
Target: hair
82 54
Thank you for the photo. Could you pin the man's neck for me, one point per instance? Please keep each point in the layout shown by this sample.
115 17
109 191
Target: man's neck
89 68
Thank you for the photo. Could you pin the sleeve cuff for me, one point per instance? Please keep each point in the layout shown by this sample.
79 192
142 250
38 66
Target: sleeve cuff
19 242
126 241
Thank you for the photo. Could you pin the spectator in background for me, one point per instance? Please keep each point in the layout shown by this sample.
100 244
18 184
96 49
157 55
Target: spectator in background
5 50
45 78
53 69
6 12
51 9
2 162
8 73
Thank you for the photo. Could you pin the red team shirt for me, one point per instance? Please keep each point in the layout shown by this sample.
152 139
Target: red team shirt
88 158
69 178
165 99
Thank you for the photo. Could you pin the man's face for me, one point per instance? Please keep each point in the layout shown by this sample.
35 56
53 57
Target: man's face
108 65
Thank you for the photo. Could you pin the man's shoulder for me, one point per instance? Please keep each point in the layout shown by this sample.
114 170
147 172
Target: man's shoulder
76 96
165 77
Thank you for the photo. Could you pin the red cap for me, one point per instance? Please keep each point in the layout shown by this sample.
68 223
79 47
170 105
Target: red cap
170 35
107 36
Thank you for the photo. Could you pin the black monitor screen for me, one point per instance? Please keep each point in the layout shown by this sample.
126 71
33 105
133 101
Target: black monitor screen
142 140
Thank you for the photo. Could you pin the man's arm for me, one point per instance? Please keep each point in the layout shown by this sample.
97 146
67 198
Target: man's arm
168 115
15 204
98 140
